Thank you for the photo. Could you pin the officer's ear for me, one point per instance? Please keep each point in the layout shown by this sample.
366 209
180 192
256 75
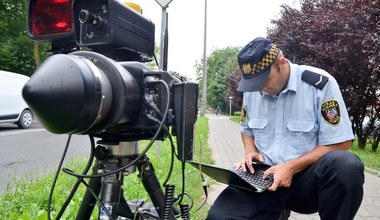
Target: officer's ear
279 62
282 60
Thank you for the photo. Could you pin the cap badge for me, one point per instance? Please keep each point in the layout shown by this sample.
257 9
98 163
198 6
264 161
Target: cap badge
246 68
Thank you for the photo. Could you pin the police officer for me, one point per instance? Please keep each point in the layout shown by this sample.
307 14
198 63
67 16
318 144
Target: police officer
294 119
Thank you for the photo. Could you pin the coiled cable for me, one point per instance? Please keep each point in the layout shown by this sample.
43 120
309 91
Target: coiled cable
168 202
185 211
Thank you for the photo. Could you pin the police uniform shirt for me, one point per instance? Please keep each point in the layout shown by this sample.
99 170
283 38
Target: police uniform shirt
309 112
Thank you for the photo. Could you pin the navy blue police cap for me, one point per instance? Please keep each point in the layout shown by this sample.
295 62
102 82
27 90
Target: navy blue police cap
255 60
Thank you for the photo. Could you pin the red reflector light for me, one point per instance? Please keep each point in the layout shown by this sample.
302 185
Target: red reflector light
51 17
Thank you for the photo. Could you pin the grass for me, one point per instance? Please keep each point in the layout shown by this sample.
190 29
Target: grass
235 119
29 199
370 159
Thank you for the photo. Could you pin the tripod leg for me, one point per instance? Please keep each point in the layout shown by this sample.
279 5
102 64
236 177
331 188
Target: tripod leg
89 202
152 186
124 209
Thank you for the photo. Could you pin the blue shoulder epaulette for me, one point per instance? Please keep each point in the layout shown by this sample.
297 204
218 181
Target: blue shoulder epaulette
315 79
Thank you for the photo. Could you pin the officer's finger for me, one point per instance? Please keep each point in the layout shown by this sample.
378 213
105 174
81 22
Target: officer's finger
274 185
267 173
250 166
242 165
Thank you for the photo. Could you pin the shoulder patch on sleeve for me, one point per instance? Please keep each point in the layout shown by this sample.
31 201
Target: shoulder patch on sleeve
243 113
315 79
330 112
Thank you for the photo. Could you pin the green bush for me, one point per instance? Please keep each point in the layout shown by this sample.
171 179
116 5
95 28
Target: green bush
237 114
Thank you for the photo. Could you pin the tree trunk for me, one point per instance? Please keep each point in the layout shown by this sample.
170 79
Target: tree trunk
361 142
375 145
36 52
376 140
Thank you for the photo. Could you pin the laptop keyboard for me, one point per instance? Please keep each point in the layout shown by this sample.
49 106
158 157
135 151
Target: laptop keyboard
255 179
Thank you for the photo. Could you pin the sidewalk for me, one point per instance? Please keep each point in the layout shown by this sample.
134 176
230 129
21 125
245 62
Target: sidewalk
227 150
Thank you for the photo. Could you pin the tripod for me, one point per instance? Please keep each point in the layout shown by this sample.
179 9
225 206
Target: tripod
111 156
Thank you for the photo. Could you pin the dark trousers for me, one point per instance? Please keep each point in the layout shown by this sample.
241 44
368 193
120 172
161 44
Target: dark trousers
333 186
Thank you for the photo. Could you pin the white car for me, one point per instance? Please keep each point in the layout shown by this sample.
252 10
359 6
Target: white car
13 108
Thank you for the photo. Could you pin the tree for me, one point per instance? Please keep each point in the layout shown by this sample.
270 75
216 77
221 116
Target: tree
16 51
220 64
233 83
342 37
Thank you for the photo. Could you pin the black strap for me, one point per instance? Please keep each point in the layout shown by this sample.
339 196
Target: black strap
315 79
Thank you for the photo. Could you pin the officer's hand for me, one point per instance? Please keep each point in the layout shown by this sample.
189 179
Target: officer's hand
247 161
282 176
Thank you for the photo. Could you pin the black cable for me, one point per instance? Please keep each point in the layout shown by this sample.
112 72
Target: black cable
79 180
142 154
183 182
150 103
171 162
191 199
155 59
56 176
185 211
167 208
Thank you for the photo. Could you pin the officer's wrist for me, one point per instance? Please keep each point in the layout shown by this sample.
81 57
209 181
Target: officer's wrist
252 151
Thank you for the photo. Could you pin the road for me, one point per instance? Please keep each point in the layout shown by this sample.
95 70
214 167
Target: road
28 153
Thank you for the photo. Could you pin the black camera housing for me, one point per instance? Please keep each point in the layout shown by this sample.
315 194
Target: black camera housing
110 27
105 26
105 92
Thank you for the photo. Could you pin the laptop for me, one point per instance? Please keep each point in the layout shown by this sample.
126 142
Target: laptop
238 178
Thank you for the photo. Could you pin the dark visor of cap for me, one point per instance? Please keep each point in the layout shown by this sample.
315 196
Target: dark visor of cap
255 83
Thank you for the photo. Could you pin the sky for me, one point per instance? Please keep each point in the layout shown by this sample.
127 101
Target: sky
229 24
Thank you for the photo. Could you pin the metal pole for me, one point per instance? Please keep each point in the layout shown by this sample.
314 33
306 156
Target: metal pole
163 46
164 5
230 107
162 57
204 78
230 98
162 35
